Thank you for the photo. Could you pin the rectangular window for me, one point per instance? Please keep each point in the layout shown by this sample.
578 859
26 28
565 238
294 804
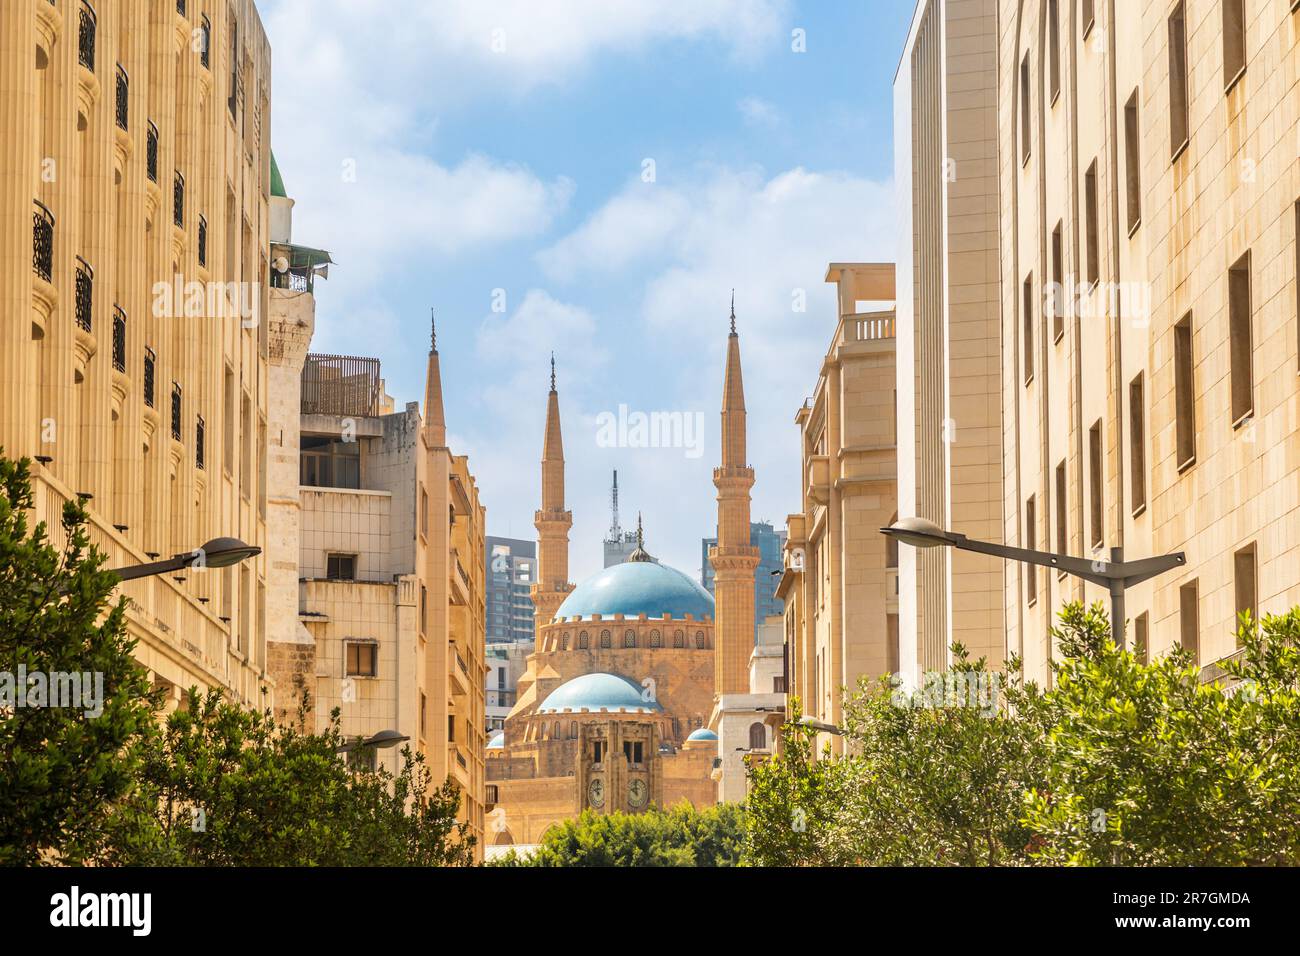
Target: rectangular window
1027 309
1234 41
1179 123
1133 162
1184 396
598 751
1243 568
229 414
1096 514
1058 283
1054 47
1092 224
1189 621
341 567
424 512
1024 109
1137 456
1141 638
246 447
1239 334
424 702
1296 245
1087 15
1062 512
1031 571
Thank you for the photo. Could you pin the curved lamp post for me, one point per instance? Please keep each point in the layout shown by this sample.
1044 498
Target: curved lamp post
1116 575
381 741
217 553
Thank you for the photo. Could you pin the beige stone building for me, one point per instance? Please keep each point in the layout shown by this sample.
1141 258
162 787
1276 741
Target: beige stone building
1149 174
135 176
949 405
840 583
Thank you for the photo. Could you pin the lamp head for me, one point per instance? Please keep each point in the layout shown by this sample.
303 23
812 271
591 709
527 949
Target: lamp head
918 532
223 552
385 739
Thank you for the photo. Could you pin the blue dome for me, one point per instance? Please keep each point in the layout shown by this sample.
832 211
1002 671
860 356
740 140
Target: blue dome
702 734
638 587
597 692
498 740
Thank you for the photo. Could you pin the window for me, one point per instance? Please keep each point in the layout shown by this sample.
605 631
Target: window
361 658
699 640
1243 568
341 567
1058 283
229 412
598 751
605 640
655 639
1031 571
424 513
423 713
330 463
1141 639
424 608
1027 310
1062 526
1087 15
1092 224
246 446
629 638
1137 457
1234 41
1184 397
679 639
1296 244
564 641
1132 163
1239 335
1179 124
1095 475
584 642
1054 47
633 751
1189 624
757 737
1024 110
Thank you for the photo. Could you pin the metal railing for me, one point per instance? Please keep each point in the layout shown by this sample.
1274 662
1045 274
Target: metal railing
203 241
86 36
150 369
200 457
340 385
151 153
178 200
119 339
180 7
176 411
42 241
85 294
205 52
123 98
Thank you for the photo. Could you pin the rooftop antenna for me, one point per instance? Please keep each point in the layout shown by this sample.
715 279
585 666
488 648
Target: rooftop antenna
614 530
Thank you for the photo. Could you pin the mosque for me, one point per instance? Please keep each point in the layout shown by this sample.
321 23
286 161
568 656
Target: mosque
618 707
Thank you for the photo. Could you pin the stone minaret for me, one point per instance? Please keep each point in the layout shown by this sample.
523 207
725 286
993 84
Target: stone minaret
435 420
733 558
552 521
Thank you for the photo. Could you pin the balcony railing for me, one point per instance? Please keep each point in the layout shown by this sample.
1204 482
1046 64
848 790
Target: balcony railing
178 200
123 98
205 52
86 36
200 460
176 411
203 241
340 385
42 241
150 368
151 153
180 7
119 339
85 294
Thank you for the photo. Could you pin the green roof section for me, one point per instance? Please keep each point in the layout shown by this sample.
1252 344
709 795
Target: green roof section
277 181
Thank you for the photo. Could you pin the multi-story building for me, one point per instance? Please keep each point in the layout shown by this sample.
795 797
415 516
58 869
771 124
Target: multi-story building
840 582
751 723
134 215
949 405
1149 182
771 562
506 663
390 622
511 571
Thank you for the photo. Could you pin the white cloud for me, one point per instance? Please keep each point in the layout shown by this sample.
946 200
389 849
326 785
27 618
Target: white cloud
759 112
631 227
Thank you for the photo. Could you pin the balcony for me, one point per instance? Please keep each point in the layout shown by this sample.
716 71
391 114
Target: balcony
87 27
151 153
340 385
203 242
43 241
85 295
869 327
180 7
176 411
178 200
819 478
150 370
205 51
123 99
200 456
119 339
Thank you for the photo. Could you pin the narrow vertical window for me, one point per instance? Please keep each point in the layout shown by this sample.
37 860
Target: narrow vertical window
1031 570
1027 308
1179 125
1093 223
1189 622
1058 283
1240 339
1062 512
1137 455
1141 638
1234 41
1024 109
1096 515
1184 395
1132 163
1054 47
1243 568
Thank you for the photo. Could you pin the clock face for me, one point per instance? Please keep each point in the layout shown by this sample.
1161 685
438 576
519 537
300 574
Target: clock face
637 793
596 792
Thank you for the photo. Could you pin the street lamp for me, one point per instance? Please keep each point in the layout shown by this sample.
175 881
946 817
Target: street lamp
1116 575
821 726
381 741
217 553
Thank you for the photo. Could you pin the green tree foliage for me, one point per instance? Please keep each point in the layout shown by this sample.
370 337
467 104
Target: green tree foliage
677 836
62 772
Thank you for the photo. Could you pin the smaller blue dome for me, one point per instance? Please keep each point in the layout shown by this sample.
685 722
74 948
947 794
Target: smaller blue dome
597 692
498 740
702 734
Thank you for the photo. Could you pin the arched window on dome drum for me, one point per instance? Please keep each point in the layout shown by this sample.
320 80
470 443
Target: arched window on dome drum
573 730
583 641
564 641
699 639
679 639
605 639
655 639
541 731
629 638
757 737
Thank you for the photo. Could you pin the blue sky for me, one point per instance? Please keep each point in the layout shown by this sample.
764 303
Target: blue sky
488 158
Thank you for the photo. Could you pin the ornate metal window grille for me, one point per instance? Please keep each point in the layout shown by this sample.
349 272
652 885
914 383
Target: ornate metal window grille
123 98
178 200
205 53
203 241
85 293
119 339
199 457
176 411
151 153
43 241
150 364
86 36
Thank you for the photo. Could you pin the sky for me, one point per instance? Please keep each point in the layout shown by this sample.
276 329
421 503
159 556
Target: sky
591 178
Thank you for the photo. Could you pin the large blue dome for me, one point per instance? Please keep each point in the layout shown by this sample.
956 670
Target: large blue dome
638 587
597 692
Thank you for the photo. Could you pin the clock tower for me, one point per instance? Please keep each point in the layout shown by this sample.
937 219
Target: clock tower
618 766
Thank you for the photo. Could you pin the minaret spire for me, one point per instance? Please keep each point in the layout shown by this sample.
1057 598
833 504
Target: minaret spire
435 420
733 311
433 331
552 373
552 520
